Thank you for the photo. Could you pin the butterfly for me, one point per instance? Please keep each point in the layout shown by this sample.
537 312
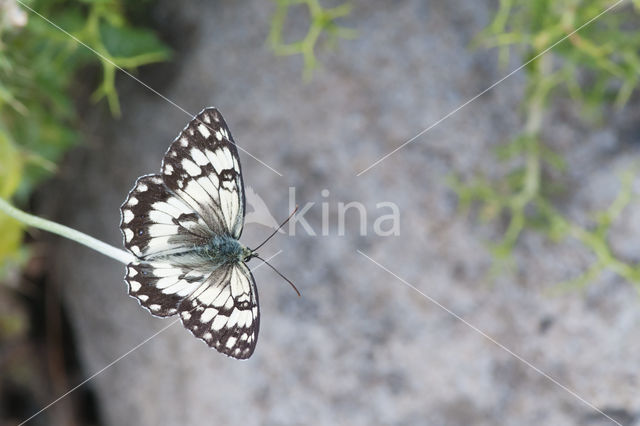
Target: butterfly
183 226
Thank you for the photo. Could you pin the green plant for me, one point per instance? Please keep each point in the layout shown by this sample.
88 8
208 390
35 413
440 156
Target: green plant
597 66
321 20
38 67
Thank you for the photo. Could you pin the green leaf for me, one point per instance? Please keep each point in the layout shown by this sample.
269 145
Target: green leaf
10 242
11 166
127 42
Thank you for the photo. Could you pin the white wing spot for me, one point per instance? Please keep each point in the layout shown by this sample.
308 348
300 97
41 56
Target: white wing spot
154 307
185 141
204 131
228 157
199 157
248 319
229 303
222 158
208 314
134 285
127 216
159 217
218 135
219 322
168 169
132 272
128 234
165 282
207 296
207 336
143 297
132 201
191 167
135 250
206 118
185 316
230 342
221 298
142 187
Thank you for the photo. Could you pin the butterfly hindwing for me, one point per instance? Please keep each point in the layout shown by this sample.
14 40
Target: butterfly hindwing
155 222
160 286
202 167
224 311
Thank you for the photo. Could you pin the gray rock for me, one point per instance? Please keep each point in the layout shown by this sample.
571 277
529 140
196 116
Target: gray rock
360 347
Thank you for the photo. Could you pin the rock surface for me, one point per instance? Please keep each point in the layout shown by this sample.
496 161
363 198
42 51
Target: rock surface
360 346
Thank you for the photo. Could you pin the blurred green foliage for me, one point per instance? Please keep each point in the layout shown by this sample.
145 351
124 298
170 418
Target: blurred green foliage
321 20
598 66
38 67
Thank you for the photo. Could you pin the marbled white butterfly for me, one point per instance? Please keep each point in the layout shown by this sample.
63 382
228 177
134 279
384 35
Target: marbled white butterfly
183 225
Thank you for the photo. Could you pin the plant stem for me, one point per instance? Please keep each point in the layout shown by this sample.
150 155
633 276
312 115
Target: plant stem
64 231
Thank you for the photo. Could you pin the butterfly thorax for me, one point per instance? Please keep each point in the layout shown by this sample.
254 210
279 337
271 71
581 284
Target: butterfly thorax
223 249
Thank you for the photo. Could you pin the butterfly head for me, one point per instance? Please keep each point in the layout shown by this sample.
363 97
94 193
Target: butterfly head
247 254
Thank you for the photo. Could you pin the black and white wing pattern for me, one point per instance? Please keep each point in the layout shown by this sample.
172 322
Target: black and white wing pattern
203 169
169 222
156 223
224 311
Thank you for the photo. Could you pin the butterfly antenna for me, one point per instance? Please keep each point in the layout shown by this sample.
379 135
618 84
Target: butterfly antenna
276 231
278 272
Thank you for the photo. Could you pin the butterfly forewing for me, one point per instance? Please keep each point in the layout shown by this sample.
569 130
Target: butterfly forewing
157 223
169 220
202 167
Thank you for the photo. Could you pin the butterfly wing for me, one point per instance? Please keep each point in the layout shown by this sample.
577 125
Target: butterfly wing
161 285
224 311
203 168
156 223
160 229
220 307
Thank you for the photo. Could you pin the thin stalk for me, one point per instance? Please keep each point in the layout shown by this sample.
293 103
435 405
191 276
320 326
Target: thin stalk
64 231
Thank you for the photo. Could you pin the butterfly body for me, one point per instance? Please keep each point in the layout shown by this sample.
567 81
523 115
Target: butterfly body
225 249
183 226
219 251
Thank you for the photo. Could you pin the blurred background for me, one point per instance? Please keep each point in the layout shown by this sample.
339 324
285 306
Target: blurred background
517 213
